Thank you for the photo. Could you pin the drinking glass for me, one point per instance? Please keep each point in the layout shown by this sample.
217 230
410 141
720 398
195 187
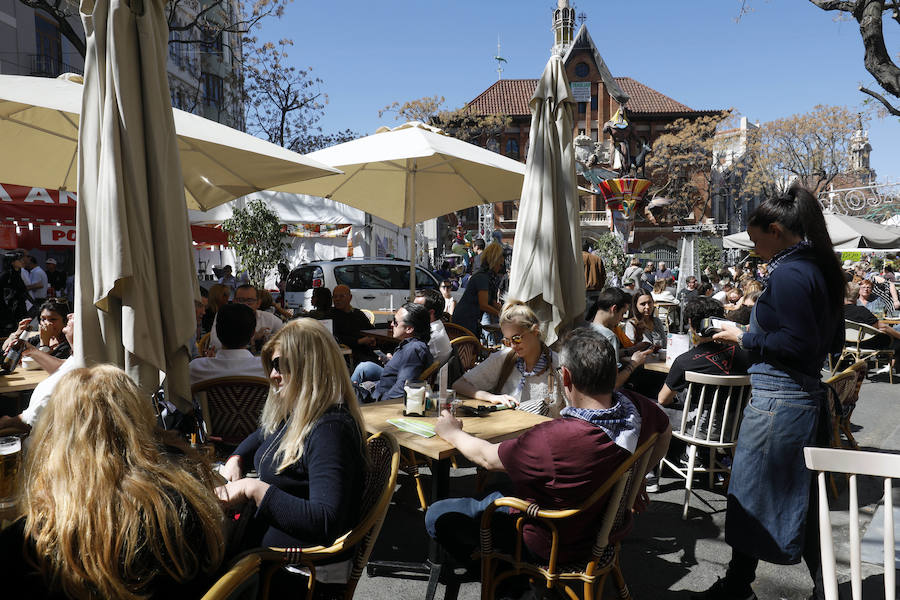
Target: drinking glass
10 458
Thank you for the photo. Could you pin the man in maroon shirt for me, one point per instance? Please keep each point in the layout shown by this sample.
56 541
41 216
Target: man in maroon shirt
559 463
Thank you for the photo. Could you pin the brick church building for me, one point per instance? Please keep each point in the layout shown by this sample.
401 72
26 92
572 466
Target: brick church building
602 94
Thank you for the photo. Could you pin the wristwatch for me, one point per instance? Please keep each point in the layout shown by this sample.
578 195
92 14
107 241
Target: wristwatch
44 348
741 339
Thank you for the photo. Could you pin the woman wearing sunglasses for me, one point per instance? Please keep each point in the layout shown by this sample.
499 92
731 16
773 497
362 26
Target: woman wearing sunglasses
524 374
309 449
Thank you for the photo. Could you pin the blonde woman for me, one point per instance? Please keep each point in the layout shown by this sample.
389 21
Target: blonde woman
481 291
309 449
218 297
524 374
111 510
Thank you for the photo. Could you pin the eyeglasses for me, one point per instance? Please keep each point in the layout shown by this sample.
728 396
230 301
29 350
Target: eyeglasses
246 300
276 364
513 339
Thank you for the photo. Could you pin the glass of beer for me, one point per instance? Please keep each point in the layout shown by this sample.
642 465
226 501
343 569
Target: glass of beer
10 457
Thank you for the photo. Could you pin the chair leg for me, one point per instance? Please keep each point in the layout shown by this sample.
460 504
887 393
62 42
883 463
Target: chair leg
712 467
845 427
689 480
621 586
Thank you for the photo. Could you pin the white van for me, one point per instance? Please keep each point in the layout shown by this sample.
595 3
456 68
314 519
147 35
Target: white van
380 284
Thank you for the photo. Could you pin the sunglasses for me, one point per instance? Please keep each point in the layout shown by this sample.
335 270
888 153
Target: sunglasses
276 364
513 339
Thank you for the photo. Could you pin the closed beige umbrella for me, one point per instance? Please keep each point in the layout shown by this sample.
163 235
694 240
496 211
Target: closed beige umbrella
547 271
134 280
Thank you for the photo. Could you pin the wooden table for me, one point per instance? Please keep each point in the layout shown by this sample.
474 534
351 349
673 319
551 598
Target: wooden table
495 427
21 380
382 336
498 426
656 364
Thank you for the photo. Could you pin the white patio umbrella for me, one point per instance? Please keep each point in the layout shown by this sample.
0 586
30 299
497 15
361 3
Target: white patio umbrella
413 173
547 271
39 125
846 233
134 279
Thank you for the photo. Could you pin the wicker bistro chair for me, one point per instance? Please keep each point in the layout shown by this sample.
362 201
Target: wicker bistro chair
713 407
857 334
231 406
469 350
848 404
237 582
619 491
454 331
355 545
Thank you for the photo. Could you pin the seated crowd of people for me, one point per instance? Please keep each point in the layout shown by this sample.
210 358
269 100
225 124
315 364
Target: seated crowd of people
99 472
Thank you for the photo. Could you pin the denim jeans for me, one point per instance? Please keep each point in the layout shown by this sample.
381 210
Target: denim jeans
366 371
768 496
456 524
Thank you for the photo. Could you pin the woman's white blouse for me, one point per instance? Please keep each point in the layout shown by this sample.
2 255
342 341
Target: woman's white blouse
541 394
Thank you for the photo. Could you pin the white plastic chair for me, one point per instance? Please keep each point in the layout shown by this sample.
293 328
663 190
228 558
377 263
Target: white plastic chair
853 463
713 407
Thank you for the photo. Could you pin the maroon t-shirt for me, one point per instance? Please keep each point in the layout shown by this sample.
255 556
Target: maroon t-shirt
560 463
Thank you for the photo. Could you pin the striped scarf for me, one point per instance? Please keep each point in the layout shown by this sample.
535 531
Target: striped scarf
539 367
621 422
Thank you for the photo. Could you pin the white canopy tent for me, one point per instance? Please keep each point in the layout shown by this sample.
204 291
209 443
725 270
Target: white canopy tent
847 233
369 235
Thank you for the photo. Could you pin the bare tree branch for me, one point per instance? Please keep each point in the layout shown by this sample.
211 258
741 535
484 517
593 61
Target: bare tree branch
841 5
887 105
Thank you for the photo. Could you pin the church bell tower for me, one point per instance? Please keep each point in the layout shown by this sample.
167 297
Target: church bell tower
563 27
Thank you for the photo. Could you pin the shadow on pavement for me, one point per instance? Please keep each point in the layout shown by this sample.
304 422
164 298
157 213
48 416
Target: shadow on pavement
659 532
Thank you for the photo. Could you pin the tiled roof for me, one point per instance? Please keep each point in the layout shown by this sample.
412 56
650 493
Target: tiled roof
505 97
644 99
511 97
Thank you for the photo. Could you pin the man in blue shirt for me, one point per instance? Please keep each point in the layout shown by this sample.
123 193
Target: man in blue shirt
411 325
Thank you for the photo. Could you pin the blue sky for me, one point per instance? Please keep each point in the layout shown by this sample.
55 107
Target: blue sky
783 58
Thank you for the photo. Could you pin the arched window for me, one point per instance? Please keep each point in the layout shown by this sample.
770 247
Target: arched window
512 149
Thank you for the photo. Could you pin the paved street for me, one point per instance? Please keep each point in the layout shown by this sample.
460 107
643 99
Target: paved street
666 557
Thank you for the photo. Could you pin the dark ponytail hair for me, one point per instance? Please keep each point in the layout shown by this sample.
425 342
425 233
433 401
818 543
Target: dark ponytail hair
799 212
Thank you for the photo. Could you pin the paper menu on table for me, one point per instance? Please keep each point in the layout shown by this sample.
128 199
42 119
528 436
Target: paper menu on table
676 345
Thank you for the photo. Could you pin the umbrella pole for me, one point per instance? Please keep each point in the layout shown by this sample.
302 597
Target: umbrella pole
411 199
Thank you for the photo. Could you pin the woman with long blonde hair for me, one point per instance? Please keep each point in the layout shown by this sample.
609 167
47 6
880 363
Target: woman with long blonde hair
309 449
111 510
218 295
522 375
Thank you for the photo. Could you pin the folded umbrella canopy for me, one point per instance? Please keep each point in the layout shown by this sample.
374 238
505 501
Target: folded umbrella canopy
134 274
547 271
39 125
413 173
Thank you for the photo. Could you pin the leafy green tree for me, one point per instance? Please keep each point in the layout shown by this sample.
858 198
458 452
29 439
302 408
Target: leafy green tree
609 245
255 234
710 254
